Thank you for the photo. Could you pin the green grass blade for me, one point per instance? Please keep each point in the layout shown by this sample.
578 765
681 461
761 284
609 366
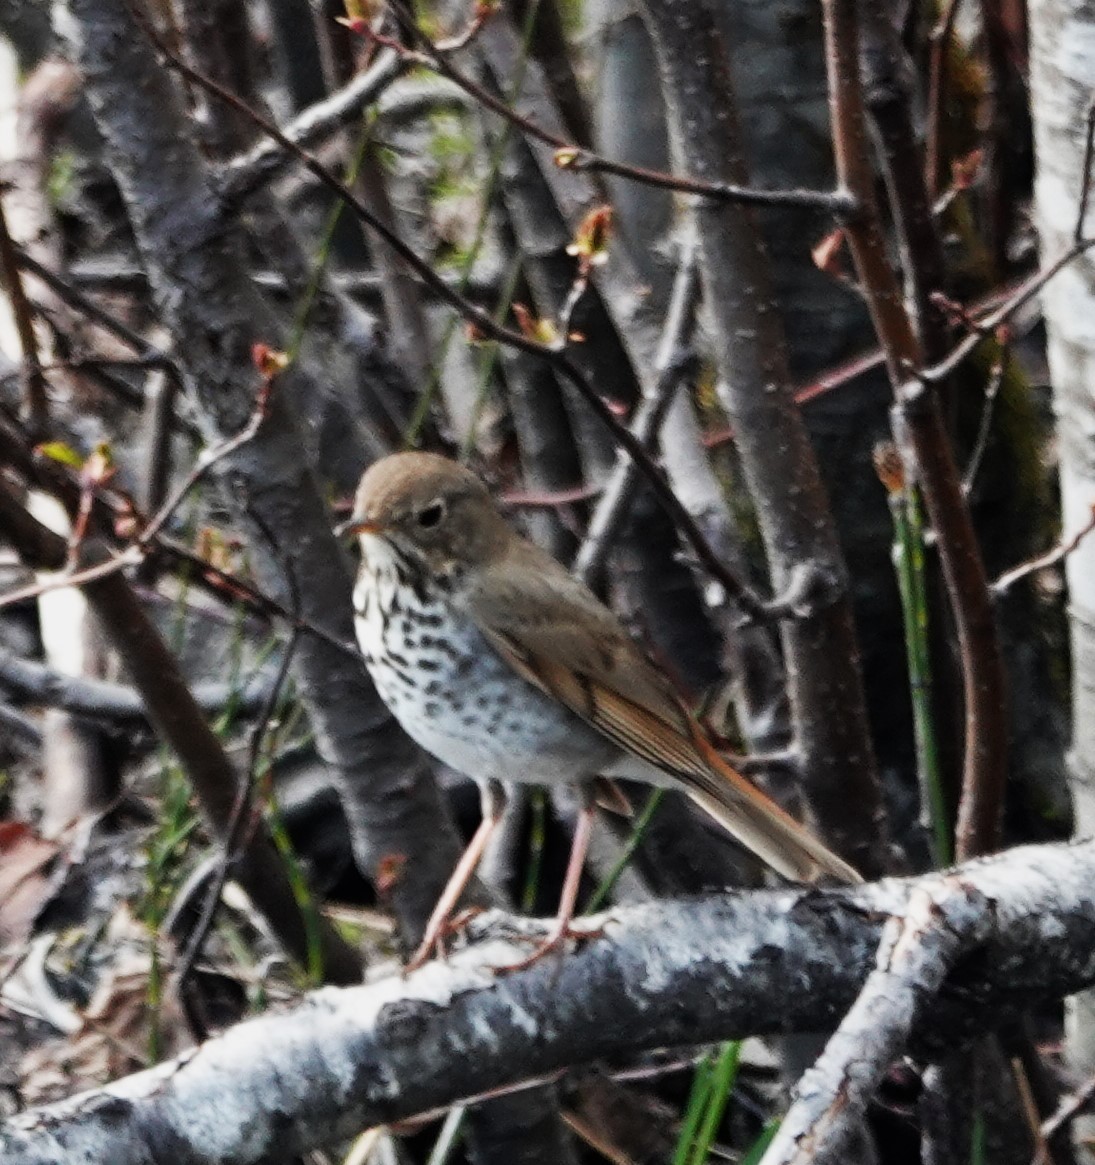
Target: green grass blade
759 1147
598 897
694 1111
912 584
723 1078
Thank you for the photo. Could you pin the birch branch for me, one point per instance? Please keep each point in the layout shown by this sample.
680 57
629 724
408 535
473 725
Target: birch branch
661 974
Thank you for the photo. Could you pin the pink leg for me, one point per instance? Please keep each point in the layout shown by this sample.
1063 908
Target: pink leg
560 931
493 805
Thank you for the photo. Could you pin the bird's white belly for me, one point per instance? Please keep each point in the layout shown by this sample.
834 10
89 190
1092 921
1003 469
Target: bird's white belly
459 700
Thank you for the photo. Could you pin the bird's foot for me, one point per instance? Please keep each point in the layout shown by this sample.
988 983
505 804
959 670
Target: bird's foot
556 940
433 944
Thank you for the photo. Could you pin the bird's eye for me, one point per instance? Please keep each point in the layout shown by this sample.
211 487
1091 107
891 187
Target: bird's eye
431 515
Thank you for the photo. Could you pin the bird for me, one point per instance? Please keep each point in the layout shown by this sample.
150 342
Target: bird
504 666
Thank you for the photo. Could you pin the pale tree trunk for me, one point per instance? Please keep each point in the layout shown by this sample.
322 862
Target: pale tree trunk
1062 84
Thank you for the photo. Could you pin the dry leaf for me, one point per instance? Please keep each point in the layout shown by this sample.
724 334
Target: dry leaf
25 884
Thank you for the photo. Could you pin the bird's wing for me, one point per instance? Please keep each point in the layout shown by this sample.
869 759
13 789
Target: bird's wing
556 634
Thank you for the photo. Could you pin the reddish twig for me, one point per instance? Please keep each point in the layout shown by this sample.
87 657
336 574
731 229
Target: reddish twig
70 578
937 96
205 463
112 508
569 156
920 432
482 321
987 325
550 499
137 551
1002 303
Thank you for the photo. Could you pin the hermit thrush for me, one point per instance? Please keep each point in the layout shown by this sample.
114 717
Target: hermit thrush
498 662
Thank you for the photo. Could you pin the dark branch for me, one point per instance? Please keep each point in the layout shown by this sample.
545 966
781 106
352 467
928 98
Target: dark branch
484 323
40 684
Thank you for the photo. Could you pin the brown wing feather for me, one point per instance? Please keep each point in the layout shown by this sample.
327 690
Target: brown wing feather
555 633
558 634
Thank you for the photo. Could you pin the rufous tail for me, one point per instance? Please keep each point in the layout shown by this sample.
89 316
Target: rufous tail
762 826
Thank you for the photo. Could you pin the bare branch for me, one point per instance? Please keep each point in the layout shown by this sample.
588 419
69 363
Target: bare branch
769 963
917 953
485 324
569 156
179 720
919 430
248 171
672 354
1018 299
102 700
1058 554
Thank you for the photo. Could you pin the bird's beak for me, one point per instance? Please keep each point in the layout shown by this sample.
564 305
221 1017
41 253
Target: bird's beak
356 526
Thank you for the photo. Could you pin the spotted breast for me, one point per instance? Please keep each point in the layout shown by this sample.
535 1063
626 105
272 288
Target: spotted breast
452 694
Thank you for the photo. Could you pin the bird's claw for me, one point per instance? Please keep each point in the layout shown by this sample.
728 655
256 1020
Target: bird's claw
555 941
433 943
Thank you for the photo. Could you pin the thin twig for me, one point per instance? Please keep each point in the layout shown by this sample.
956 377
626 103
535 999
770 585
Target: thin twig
235 840
135 553
842 374
88 307
670 363
36 403
242 590
987 325
205 463
889 103
245 173
992 391
483 322
148 355
569 156
1051 557
360 284
1069 1107
921 435
550 499
937 96
222 584
71 578
91 363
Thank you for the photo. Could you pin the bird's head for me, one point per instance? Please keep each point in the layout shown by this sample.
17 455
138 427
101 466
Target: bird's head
431 511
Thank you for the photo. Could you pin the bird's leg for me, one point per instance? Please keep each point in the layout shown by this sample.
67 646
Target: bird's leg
494 802
561 928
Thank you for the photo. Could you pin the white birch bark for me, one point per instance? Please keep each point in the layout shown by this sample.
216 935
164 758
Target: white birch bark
1062 85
